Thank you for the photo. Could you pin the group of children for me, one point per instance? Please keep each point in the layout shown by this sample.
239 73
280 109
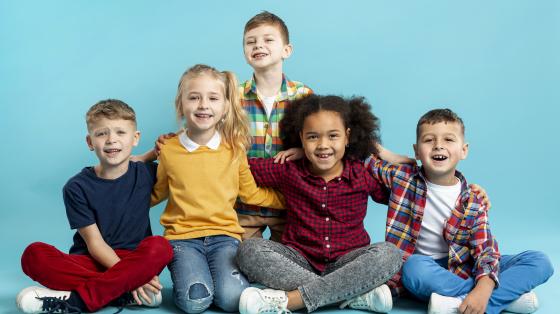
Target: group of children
313 162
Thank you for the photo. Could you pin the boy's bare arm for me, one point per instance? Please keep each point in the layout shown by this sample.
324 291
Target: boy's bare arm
97 247
476 301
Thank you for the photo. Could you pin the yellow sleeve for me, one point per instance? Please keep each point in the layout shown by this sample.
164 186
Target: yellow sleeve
160 191
251 194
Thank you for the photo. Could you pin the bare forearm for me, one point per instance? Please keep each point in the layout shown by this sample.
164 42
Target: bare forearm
103 254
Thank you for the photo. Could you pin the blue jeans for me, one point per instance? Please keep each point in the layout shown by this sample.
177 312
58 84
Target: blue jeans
519 274
203 271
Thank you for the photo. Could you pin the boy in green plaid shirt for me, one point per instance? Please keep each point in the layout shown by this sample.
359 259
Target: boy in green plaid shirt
266 44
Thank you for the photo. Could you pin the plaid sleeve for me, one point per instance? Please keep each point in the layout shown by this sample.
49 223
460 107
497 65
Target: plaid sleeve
266 172
383 171
484 248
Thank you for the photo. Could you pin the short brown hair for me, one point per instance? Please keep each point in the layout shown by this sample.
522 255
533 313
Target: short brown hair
267 18
110 109
439 115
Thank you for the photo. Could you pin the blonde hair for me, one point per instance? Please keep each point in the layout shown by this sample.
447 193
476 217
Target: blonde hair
234 127
110 109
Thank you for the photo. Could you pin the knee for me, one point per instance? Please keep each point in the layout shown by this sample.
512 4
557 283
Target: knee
412 271
32 258
196 299
159 250
392 253
248 253
541 262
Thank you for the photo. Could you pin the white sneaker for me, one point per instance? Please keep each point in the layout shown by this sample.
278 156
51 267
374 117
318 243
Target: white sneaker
377 300
440 304
525 304
43 300
256 301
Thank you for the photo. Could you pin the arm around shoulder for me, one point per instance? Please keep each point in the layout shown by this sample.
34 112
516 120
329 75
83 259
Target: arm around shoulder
250 193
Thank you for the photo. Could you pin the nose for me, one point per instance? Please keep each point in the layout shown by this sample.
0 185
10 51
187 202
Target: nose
110 138
438 145
203 103
322 143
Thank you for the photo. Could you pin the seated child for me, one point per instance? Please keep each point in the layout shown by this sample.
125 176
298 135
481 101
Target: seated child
442 228
201 172
114 252
325 256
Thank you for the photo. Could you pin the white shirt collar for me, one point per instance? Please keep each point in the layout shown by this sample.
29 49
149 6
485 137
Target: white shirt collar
191 146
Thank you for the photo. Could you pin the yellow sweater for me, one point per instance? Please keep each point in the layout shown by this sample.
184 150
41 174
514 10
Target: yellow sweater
202 187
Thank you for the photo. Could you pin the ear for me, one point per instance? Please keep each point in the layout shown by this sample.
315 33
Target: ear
347 136
136 138
89 143
287 51
415 151
465 151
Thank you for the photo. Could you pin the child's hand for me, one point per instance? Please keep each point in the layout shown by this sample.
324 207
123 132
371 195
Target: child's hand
153 286
477 300
161 141
481 193
290 154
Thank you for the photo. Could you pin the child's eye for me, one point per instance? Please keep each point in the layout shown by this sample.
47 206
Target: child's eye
100 134
268 40
334 136
428 140
121 132
450 139
193 98
214 98
311 137
251 42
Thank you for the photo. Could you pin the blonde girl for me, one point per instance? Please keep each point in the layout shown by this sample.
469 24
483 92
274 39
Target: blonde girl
201 172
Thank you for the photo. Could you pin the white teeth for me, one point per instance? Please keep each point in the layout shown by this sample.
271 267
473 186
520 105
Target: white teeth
439 157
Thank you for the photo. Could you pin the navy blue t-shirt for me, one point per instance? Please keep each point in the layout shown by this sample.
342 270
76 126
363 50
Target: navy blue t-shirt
119 207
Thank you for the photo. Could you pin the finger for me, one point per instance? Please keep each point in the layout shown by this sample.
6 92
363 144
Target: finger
136 298
277 158
155 283
145 296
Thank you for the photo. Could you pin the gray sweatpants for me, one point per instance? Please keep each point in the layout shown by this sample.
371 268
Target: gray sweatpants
283 268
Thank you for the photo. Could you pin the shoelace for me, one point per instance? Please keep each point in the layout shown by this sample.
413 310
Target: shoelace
123 301
274 306
359 301
58 305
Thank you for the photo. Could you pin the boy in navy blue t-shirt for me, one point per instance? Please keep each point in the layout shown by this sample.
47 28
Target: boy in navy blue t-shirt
114 258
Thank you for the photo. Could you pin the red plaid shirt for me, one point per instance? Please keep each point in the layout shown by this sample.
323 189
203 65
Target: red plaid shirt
324 219
473 251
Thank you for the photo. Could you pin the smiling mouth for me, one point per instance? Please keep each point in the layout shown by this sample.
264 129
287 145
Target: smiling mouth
111 151
259 55
439 157
324 156
203 115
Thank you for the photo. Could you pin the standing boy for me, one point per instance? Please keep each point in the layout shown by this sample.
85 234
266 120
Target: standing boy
442 228
114 252
266 43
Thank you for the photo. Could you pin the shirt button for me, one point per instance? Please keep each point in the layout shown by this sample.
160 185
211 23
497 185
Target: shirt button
328 246
326 259
324 188
327 238
327 219
339 179
323 205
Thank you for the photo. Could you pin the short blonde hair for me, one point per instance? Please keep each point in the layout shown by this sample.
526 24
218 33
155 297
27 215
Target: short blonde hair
234 127
110 109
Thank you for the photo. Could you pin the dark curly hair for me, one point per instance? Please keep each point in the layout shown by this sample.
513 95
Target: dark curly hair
355 113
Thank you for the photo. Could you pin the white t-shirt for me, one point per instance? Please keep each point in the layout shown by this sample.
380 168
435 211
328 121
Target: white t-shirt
440 201
268 102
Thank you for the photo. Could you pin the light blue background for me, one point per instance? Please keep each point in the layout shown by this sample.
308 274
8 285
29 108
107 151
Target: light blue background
496 63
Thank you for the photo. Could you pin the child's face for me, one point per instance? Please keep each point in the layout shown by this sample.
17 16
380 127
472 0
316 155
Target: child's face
324 140
203 105
264 47
112 141
440 147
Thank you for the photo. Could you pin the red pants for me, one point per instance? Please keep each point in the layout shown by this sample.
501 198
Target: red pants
96 285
